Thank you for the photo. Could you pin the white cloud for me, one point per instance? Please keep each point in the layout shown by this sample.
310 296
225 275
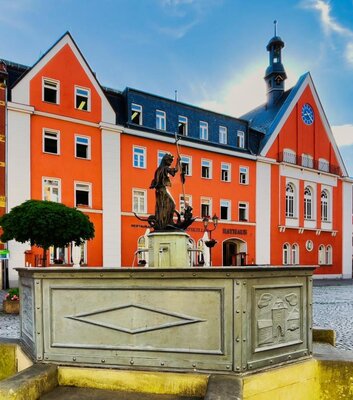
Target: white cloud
330 25
240 94
343 134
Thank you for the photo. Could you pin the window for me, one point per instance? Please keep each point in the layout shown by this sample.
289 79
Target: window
57 255
82 147
295 254
205 207
290 204
160 155
307 161
328 255
225 209
241 139
324 206
286 254
136 114
203 130
308 203
223 135
139 157
182 126
161 120
244 175
51 142
243 211
206 169
184 202
82 194
82 99
321 254
186 165
225 172
139 202
51 189
289 156
51 91
324 165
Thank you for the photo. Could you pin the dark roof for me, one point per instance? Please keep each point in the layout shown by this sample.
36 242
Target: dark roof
15 71
264 119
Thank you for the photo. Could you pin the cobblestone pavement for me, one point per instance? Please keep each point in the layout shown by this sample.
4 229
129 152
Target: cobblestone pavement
333 308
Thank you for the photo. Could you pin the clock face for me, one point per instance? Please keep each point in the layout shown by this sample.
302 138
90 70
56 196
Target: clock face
307 114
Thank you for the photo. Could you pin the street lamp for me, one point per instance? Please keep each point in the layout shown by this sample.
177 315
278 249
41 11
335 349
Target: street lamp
209 229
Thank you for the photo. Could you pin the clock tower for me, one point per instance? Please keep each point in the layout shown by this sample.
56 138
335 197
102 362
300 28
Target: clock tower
275 74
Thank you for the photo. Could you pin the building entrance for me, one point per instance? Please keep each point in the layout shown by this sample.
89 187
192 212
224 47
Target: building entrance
234 252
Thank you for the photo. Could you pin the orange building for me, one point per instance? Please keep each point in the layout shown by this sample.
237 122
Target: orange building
274 177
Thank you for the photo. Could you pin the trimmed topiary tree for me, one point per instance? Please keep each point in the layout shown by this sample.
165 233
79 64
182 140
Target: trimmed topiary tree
45 224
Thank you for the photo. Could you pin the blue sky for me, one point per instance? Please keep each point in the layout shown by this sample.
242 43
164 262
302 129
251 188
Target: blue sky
213 52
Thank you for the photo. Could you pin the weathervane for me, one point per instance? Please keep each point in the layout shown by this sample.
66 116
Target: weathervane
275 24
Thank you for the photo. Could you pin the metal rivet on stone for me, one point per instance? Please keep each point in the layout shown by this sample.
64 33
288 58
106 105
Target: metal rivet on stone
73 358
162 363
237 282
194 274
162 275
131 362
228 274
227 366
194 365
103 361
237 311
237 368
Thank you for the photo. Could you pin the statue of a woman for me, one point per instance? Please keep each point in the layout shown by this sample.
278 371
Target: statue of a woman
165 204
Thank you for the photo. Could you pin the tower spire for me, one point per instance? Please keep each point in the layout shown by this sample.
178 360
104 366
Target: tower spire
275 73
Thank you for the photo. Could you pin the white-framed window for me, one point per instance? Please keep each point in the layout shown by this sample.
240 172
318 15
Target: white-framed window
186 165
325 216
83 194
82 98
241 139
243 211
83 147
51 189
321 255
203 130
206 169
308 203
307 161
139 157
225 210
290 201
295 254
289 156
161 120
136 114
182 125
139 200
225 172
160 155
328 255
223 135
51 91
206 207
244 175
324 165
51 141
184 202
58 255
286 250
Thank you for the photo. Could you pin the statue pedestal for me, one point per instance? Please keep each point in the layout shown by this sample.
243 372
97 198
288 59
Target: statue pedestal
168 249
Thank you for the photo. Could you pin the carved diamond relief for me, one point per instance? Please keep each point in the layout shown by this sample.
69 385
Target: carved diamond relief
134 318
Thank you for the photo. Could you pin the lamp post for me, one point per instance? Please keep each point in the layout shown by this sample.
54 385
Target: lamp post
209 229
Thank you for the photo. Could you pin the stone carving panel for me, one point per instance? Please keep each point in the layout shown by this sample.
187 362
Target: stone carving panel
27 310
278 317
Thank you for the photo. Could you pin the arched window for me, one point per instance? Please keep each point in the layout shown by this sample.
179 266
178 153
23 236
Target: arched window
286 254
295 254
321 254
324 206
328 255
290 200
308 203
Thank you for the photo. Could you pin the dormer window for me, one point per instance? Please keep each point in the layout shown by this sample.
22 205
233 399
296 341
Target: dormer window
241 139
203 130
289 156
51 91
136 114
324 165
307 161
161 120
182 125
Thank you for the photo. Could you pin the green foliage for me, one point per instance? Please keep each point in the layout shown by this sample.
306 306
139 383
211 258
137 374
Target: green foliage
45 224
13 294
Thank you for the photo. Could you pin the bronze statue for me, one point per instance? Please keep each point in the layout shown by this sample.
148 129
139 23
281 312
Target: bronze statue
163 219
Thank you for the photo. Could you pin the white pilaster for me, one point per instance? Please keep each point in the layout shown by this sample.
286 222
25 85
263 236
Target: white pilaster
346 230
111 197
18 174
263 213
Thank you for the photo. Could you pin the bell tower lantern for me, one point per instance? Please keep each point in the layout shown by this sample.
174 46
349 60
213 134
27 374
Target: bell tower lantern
275 74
